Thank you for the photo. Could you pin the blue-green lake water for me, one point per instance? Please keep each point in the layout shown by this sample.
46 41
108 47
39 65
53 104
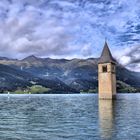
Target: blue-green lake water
69 117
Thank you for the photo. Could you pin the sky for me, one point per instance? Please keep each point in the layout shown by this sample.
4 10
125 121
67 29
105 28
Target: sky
71 29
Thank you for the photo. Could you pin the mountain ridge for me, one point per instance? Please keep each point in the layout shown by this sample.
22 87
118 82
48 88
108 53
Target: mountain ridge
78 74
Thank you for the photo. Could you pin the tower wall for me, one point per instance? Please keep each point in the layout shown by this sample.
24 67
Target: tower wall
107 81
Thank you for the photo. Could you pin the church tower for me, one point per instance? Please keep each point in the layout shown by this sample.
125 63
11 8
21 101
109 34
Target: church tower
106 74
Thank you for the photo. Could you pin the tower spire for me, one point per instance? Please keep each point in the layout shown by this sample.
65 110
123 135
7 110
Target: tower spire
106 56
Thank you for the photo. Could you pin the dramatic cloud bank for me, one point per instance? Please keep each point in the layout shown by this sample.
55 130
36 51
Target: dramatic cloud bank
130 57
71 28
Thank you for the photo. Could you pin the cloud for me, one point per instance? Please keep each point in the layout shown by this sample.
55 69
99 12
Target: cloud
130 57
70 28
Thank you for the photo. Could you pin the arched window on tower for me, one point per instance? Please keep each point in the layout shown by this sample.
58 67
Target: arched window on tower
113 68
104 68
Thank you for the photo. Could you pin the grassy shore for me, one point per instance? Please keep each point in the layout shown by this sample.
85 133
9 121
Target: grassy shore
36 89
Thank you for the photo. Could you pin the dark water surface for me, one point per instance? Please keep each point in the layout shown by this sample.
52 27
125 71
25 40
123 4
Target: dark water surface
69 117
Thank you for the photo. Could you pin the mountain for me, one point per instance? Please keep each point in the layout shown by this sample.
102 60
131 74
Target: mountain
31 58
78 74
12 79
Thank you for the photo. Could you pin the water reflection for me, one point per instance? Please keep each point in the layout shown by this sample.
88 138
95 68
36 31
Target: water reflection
106 117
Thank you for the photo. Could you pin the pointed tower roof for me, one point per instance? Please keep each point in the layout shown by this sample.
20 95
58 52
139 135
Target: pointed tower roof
106 56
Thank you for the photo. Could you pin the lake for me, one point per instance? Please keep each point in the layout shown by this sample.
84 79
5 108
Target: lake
69 117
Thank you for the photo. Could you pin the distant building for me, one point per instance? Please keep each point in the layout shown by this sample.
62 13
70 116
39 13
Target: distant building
106 74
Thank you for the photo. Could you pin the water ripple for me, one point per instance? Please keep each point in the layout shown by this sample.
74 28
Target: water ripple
69 117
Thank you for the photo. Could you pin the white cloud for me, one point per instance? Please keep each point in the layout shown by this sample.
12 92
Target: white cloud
69 28
130 57
125 60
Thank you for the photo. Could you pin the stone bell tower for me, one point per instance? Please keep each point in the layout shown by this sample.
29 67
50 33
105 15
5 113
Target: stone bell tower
106 74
